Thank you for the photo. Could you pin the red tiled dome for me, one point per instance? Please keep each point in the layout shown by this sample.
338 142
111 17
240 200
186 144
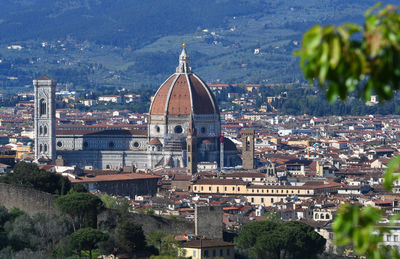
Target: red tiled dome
183 93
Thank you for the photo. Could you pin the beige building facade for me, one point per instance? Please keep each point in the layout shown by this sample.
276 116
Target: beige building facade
261 194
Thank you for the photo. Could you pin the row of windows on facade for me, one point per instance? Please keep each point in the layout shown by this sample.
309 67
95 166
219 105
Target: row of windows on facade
322 216
252 190
86 144
392 238
206 252
178 129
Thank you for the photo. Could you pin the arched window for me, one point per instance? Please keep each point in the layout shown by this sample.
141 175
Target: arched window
42 107
45 130
322 216
40 147
40 130
327 216
189 149
316 216
248 144
45 148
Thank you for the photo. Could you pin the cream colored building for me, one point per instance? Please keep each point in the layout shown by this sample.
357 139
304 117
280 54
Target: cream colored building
261 194
197 249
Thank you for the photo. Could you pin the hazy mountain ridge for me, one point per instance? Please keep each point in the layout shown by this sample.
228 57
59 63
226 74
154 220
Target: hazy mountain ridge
107 22
98 43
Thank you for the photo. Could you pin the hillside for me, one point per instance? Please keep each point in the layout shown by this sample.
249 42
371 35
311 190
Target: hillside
103 43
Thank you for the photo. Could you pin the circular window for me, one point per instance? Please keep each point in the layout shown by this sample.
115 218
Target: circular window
157 129
178 129
111 144
85 144
203 130
136 144
59 144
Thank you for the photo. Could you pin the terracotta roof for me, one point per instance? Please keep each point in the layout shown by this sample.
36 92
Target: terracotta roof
113 132
206 243
220 182
181 93
182 177
155 141
244 175
207 142
46 167
231 208
113 177
44 77
158 105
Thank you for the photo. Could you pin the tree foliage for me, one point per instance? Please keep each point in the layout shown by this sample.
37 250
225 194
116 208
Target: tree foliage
170 246
347 58
155 238
130 236
86 239
276 239
40 236
365 59
82 207
29 175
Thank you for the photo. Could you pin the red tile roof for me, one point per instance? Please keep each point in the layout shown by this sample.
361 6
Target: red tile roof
181 94
113 177
206 243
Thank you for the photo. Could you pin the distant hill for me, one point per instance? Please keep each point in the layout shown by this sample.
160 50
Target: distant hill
99 43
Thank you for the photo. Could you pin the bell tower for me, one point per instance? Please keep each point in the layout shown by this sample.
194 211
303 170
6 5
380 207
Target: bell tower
45 119
248 148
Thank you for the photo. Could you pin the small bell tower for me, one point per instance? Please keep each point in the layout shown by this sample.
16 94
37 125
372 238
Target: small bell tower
248 148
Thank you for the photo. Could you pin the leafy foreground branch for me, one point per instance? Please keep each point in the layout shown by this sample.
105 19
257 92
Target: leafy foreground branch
366 59
348 57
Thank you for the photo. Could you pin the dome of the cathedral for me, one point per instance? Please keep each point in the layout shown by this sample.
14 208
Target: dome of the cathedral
183 93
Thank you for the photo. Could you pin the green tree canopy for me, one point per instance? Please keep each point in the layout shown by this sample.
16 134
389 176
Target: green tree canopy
130 236
351 58
155 238
365 59
277 239
86 239
29 175
82 207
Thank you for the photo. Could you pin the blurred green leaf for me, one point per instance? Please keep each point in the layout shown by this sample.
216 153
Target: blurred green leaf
392 173
312 38
335 52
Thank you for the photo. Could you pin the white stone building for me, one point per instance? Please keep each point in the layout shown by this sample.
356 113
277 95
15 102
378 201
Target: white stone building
163 144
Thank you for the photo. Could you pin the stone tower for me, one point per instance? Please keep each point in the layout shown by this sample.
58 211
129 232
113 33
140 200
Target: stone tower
45 119
191 148
248 148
